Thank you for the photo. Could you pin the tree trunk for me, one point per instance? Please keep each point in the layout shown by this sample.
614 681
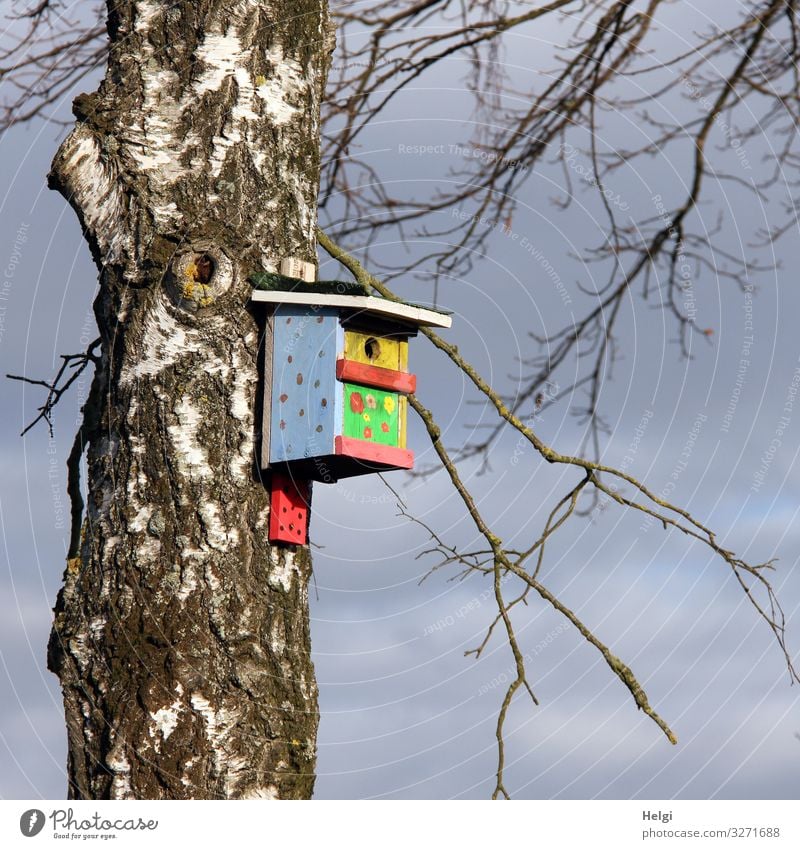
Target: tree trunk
181 637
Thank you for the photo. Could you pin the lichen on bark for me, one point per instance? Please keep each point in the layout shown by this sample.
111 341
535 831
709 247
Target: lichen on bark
181 638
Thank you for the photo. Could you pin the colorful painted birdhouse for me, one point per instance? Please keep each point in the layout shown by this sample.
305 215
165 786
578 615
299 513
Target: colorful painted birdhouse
336 378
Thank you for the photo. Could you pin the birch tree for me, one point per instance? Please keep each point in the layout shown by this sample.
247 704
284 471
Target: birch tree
181 637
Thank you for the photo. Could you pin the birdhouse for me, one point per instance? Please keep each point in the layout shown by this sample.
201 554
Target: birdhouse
335 384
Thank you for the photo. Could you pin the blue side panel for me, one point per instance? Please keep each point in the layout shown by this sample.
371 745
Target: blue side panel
304 387
338 412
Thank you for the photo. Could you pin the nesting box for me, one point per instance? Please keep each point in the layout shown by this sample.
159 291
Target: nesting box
336 379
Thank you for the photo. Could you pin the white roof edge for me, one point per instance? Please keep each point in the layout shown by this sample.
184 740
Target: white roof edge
379 306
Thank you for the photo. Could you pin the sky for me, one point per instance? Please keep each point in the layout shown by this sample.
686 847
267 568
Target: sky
404 714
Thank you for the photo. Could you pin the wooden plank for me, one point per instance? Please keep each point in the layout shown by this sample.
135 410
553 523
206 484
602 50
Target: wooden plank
291 266
266 409
419 316
305 389
387 455
383 378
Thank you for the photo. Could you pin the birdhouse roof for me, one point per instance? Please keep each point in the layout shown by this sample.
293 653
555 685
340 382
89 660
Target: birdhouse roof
341 294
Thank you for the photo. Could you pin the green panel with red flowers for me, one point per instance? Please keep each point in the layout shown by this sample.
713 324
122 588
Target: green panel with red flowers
372 415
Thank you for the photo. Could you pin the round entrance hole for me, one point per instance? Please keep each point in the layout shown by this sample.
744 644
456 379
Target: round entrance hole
372 348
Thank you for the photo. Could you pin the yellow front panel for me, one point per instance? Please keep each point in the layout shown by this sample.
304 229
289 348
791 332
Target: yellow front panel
375 350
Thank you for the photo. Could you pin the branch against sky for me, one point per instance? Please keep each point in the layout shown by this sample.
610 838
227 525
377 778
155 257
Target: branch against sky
503 562
47 48
728 83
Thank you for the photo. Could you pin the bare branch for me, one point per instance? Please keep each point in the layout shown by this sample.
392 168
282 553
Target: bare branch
72 367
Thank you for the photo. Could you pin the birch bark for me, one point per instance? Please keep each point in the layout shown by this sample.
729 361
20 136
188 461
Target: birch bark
181 638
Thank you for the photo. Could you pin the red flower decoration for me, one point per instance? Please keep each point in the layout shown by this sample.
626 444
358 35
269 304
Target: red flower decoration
356 402
367 433
385 427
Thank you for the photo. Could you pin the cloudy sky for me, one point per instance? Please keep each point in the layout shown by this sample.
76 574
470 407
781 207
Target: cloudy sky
404 713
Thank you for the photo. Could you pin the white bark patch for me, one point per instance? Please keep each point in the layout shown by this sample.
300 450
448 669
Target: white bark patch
222 57
155 146
281 97
307 691
219 54
282 575
212 580
86 710
188 583
120 767
243 110
97 626
166 719
270 792
148 551
241 398
241 407
109 445
219 724
185 780
109 544
284 91
139 521
165 340
191 457
145 12
219 537
165 213
93 183
106 500
301 190
203 706
159 148
78 649
276 641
